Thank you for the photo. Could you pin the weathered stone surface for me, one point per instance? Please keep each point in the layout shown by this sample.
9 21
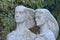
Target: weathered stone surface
46 21
24 18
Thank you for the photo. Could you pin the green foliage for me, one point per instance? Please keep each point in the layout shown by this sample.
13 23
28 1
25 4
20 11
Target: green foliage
7 8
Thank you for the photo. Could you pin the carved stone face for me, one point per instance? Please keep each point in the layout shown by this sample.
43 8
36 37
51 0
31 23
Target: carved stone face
39 18
19 14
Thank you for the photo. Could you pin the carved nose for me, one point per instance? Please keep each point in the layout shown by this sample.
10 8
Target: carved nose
17 15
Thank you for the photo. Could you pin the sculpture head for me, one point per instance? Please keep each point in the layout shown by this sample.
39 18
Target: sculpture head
41 16
19 14
24 14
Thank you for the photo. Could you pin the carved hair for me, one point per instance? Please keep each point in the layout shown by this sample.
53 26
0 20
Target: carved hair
20 7
30 17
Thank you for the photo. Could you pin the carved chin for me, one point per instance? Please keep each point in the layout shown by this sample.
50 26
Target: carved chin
19 21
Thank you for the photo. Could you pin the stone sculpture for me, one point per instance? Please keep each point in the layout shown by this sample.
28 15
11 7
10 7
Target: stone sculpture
46 21
27 18
24 19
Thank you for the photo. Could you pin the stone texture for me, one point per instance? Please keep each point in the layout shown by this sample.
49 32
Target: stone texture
43 16
24 18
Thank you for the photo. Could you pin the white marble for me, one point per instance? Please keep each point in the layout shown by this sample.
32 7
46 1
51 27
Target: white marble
24 18
46 21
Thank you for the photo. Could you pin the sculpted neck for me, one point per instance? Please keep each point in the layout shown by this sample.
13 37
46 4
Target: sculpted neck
44 28
21 27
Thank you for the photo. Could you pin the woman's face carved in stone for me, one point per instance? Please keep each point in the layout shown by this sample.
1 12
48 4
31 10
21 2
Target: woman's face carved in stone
39 18
19 16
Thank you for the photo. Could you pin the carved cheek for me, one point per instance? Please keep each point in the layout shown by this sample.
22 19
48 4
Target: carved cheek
37 18
16 16
23 16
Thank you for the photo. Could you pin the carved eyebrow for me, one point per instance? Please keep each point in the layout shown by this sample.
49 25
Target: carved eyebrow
19 12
